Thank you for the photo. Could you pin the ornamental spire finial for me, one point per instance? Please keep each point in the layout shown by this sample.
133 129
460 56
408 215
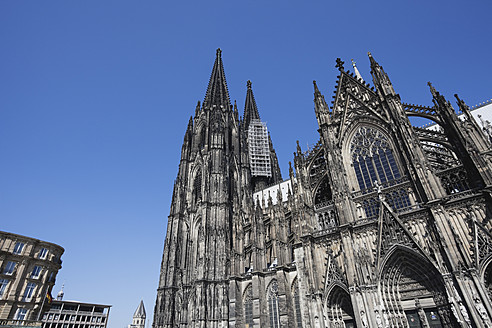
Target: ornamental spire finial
357 73
339 64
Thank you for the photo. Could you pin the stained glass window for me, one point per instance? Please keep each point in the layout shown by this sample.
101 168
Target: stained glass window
373 160
372 157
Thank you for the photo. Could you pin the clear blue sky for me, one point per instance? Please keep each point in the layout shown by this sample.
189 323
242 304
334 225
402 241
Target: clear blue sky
95 97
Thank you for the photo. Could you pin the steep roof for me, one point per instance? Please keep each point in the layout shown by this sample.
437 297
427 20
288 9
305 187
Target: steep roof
140 312
250 108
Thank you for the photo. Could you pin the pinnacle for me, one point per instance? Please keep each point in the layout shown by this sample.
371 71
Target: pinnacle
316 90
250 108
432 89
372 60
217 93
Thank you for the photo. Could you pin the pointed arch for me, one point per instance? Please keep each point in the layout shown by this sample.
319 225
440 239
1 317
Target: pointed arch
297 302
248 306
411 285
201 136
322 191
486 274
372 160
317 165
273 310
371 153
338 306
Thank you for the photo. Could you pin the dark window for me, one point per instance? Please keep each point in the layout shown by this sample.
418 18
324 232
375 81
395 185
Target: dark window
248 307
273 304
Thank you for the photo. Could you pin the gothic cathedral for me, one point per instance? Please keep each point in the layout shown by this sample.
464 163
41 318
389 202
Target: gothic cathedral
381 224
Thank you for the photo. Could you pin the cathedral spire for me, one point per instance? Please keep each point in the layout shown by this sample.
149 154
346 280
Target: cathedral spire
380 78
217 93
356 70
250 108
320 107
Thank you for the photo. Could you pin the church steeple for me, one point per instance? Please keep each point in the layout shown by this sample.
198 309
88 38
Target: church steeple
217 93
139 317
250 108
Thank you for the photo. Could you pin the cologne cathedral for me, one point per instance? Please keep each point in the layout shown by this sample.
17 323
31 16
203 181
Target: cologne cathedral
381 224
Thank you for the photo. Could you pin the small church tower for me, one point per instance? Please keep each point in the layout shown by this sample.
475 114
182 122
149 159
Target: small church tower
139 317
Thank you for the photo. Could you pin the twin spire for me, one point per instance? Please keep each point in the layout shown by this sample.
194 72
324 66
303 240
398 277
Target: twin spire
250 108
217 93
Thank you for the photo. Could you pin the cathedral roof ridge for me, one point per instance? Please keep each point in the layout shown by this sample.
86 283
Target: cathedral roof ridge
482 104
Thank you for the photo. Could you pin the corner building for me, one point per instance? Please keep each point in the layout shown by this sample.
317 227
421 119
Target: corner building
28 269
383 224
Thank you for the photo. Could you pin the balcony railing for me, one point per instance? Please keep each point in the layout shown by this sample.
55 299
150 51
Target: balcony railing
20 323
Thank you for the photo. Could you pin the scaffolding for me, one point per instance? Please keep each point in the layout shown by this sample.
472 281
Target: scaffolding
259 149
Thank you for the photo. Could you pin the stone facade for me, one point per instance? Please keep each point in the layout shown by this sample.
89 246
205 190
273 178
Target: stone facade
28 269
383 224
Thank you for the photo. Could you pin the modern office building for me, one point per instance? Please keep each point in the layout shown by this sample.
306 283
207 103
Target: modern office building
74 314
28 268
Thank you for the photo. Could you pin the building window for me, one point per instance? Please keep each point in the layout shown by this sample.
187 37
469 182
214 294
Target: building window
36 271
3 286
248 307
273 304
18 247
20 314
43 253
29 292
372 157
9 268
297 304
373 161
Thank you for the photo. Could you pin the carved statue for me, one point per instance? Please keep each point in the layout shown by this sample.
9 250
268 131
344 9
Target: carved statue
464 313
481 310
378 319
363 318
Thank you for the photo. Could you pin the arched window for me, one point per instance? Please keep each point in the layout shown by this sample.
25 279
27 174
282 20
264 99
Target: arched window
373 161
202 138
197 187
372 157
273 304
248 307
297 303
323 192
